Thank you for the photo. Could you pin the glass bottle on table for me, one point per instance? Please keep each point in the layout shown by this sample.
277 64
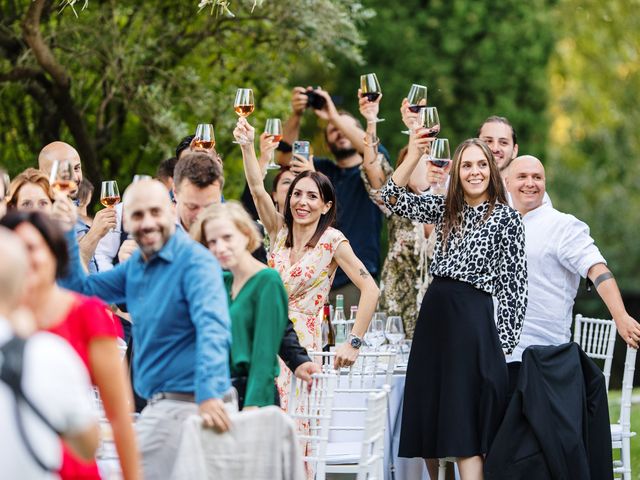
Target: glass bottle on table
339 320
370 88
61 177
352 318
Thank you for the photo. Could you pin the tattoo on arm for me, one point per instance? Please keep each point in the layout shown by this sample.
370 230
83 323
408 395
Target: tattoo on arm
601 278
364 273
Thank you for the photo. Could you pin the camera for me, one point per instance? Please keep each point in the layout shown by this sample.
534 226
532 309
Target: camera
315 101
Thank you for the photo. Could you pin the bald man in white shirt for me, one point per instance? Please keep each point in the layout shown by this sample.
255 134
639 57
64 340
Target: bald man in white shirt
559 252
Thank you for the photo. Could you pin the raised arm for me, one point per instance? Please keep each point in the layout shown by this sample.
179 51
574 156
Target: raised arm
607 287
291 128
372 165
369 293
269 216
511 287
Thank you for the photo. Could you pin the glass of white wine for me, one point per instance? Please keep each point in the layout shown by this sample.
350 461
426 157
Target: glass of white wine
244 105
204 137
273 127
61 177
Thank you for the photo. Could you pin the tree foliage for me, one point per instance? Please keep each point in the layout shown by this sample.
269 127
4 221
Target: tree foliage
593 170
477 58
125 80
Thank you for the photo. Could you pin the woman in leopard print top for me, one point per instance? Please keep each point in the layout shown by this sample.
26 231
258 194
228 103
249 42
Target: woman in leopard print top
456 384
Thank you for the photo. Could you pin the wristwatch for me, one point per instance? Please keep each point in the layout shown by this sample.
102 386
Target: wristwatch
355 341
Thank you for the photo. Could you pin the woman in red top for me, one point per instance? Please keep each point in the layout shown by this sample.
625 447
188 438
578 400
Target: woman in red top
86 324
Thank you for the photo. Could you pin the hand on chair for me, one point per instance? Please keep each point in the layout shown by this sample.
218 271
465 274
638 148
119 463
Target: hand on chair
345 356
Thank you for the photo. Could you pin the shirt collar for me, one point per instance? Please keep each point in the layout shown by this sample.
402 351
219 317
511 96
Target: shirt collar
537 211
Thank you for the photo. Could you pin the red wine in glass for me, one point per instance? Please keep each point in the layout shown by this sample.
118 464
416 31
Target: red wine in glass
371 96
433 132
416 108
439 162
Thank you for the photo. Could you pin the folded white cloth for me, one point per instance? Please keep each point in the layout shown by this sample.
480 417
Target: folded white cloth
261 445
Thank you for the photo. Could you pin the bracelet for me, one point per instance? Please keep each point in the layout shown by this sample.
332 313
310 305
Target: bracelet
375 141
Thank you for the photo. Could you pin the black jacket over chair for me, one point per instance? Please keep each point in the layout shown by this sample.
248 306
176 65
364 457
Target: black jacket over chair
557 423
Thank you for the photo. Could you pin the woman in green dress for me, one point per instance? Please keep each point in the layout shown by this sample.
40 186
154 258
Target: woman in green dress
258 302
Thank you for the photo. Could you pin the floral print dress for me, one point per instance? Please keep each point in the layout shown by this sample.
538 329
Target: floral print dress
307 282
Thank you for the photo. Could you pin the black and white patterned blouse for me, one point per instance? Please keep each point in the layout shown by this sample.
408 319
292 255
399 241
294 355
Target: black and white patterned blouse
488 254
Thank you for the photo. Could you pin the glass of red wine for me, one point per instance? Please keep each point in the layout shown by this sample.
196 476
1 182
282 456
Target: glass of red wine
273 127
428 118
205 137
370 88
440 156
417 98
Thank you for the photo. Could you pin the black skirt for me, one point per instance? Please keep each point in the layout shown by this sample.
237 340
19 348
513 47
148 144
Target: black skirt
456 387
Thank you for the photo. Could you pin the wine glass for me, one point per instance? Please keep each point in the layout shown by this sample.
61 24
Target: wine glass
370 88
243 105
375 333
428 118
109 194
204 137
394 331
61 178
273 127
417 98
440 155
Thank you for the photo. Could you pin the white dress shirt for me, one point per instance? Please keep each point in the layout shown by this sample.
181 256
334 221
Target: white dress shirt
559 252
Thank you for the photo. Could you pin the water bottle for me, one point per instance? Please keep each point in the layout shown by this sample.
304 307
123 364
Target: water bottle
352 319
339 321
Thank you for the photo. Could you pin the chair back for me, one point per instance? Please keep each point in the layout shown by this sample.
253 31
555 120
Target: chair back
597 337
371 464
310 405
627 390
370 371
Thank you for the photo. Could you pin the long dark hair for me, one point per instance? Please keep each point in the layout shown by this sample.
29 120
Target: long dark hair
327 194
454 203
50 231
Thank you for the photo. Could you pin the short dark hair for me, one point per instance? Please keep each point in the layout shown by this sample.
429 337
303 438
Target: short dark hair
199 168
498 119
184 144
166 168
327 194
50 231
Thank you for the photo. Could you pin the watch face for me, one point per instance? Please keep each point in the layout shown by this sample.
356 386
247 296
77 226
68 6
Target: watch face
356 342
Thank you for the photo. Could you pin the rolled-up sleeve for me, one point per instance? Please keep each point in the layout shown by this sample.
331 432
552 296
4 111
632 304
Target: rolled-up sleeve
576 250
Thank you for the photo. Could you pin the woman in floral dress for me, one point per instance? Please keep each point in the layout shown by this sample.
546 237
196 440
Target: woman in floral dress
306 252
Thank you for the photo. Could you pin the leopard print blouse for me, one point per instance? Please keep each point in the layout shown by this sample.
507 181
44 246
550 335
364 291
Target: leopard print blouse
488 254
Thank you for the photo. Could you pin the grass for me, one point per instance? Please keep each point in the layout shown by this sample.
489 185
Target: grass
614 413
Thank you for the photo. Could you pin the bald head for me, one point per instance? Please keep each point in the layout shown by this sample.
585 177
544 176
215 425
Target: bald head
149 215
61 152
13 270
526 183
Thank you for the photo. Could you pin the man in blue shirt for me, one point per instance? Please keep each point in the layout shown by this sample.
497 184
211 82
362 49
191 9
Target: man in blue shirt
174 291
355 183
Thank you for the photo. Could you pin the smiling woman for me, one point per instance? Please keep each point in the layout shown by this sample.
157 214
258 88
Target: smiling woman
457 356
306 251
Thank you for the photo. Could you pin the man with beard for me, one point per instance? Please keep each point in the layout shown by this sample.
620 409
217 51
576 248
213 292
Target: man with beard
355 183
174 291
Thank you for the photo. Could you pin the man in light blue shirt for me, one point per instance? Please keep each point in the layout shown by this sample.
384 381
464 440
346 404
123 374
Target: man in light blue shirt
174 291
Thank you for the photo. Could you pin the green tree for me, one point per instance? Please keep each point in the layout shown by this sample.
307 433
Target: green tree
593 166
477 58
125 80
